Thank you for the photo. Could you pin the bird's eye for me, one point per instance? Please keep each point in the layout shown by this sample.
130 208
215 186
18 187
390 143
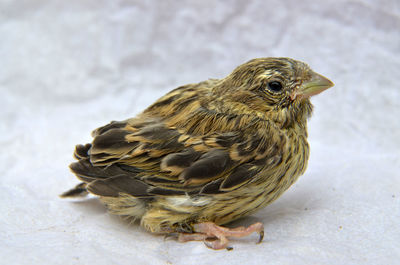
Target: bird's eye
275 86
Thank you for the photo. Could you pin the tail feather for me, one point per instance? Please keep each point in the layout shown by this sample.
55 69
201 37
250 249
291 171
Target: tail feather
78 191
82 151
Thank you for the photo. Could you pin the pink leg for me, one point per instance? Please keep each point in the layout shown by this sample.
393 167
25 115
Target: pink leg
215 236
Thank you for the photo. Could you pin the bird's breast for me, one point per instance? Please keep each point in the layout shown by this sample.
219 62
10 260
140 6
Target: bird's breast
266 187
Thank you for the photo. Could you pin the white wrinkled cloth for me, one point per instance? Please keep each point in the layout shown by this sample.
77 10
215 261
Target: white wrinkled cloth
67 67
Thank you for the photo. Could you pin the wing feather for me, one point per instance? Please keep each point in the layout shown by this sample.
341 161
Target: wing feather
150 158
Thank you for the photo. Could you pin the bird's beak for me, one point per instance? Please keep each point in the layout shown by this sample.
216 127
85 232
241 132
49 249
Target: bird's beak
314 86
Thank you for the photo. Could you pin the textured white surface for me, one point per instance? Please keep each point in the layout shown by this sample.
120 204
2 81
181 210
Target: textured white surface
68 67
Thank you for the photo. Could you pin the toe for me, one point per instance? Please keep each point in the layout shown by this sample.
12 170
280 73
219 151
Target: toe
216 244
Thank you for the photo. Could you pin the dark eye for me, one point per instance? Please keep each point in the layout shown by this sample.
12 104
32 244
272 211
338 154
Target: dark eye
275 86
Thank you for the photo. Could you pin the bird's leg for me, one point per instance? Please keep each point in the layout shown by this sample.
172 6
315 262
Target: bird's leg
215 236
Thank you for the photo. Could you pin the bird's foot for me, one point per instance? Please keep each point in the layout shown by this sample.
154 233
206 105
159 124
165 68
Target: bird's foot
215 236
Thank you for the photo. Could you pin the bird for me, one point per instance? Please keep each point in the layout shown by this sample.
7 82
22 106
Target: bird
205 154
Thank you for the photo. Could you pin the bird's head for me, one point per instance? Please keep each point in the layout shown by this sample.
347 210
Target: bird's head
279 88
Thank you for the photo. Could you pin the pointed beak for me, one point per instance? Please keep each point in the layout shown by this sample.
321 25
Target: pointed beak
314 86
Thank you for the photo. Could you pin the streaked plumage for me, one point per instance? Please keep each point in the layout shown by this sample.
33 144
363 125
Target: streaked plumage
213 151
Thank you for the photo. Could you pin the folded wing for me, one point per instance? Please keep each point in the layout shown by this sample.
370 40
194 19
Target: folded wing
147 159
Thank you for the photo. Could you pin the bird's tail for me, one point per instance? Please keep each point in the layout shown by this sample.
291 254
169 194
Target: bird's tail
80 190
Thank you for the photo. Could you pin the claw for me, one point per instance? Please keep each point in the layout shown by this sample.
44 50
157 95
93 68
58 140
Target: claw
261 233
216 237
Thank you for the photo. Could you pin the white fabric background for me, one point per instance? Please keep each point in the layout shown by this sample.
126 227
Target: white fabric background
67 67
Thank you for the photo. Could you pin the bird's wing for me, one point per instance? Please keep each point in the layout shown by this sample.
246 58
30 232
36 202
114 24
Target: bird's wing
145 159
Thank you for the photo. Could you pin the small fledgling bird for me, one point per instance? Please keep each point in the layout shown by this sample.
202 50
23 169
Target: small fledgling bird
205 154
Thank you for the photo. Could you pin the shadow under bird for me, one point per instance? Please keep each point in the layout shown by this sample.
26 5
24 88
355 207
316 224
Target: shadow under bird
205 154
